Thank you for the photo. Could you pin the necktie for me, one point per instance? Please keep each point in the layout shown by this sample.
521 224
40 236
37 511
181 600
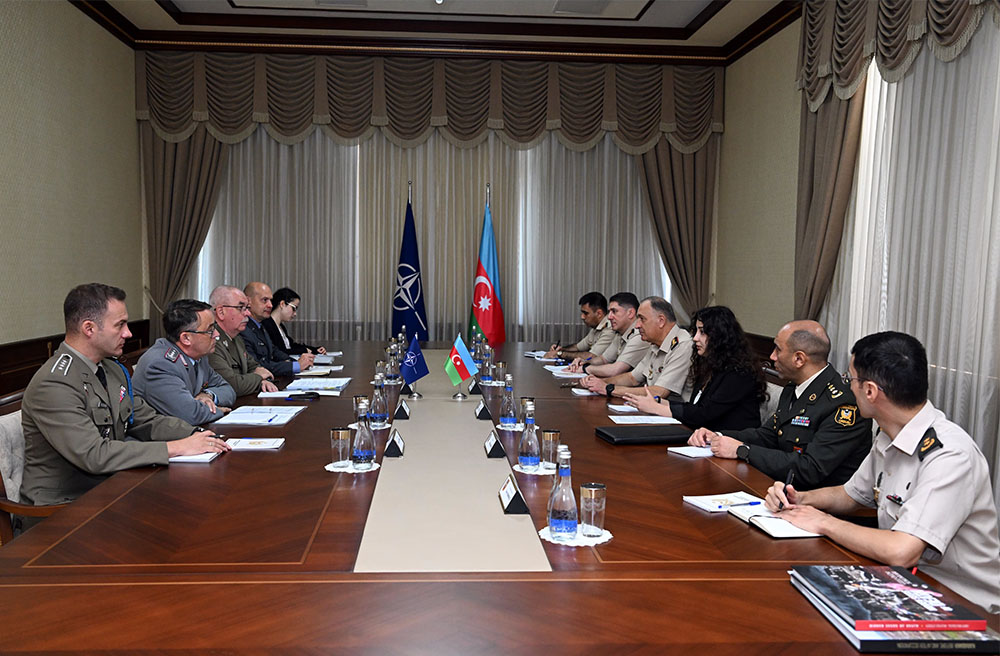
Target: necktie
103 377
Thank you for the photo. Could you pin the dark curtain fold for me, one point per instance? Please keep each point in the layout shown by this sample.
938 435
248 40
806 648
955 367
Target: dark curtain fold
828 155
680 189
181 182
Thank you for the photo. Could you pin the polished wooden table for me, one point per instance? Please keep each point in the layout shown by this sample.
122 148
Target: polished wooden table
255 555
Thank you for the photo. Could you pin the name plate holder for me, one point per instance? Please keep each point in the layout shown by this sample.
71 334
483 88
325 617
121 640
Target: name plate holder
402 410
406 389
395 446
483 411
494 447
511 498
474 387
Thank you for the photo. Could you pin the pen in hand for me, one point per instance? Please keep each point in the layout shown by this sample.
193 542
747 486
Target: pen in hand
788 482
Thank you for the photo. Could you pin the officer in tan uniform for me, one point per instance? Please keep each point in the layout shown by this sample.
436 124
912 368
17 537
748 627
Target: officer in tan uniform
230 357
816 432
593 313
925 475
664 369
79 408
627 348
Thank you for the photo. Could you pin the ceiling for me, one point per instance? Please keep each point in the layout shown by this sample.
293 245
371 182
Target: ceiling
660 31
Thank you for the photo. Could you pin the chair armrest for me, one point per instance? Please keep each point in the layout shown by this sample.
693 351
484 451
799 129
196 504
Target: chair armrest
28 510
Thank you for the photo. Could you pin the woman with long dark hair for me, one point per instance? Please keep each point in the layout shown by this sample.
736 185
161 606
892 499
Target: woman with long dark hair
727 386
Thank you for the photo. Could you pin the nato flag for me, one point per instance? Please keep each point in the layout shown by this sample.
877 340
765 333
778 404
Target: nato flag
408 301
413 367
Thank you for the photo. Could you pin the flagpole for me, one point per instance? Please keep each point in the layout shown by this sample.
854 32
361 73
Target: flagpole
409 191
414 394
487 194
459 395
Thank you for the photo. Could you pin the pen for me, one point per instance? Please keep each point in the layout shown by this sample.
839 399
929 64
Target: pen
745 503
788 481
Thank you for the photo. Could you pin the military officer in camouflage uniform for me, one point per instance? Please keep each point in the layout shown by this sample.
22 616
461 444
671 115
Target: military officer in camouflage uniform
174 375
230 357
664 369
816 433
80 407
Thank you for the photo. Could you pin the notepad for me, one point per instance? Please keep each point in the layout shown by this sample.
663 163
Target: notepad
320 371
255 443
284 394
723 502
768 522
622 408
691 451
642 419
579 391
266 415
316 384
534 354
201 457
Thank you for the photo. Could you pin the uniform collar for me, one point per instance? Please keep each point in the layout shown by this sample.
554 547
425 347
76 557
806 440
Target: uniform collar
90 363
185 359
675 333
801 388
909 437
605 322
634 328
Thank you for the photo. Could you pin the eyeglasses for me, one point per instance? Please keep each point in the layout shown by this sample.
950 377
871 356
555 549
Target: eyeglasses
242 307
210 331
295 308
847 378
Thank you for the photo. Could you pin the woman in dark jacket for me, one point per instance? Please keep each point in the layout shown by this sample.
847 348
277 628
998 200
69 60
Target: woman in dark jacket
286 304
727 386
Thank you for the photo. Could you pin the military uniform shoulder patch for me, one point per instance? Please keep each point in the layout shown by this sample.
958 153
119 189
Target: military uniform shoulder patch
834 392
928 443
62 364
172 354
674 342
846 415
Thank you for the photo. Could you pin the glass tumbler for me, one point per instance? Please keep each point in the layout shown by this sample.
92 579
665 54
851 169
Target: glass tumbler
593 497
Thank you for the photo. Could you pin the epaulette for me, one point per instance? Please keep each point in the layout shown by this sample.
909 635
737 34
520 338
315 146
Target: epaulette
928 443
834 392
172 354
62 364
674 343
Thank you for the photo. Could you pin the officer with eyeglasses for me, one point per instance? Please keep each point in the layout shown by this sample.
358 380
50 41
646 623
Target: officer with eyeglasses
230 357
174 375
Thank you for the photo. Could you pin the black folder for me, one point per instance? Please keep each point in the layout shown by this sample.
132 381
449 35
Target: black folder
622 435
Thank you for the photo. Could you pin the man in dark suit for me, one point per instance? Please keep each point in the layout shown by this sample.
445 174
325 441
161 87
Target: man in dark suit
816 433
258 342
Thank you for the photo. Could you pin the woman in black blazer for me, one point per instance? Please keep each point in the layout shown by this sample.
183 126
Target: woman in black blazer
727 386
286 305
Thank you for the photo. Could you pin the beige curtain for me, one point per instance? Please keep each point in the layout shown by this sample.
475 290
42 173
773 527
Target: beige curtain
828 155
680 189
181 186
840 37
408 98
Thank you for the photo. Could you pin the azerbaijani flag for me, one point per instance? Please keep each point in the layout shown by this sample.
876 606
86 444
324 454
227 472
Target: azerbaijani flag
460 366
486 317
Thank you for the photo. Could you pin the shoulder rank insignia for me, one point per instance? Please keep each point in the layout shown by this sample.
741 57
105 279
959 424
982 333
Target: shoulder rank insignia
62 364
834 392
172 354
929 442
674 342
846 415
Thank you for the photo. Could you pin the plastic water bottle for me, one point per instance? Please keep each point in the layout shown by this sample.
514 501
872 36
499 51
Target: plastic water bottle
562 514
508 411
379 412
363 452
528 451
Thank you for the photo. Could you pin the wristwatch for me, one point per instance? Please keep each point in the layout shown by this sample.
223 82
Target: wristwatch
743 452
608 389
584 367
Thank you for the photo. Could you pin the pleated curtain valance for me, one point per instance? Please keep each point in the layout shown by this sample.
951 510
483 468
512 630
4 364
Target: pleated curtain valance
839 38
408 98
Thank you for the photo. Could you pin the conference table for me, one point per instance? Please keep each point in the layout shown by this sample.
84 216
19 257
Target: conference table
270 553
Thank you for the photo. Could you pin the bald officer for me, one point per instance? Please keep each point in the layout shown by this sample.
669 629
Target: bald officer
79 408
816 433
174 375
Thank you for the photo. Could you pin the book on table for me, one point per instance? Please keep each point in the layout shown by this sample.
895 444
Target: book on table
883 598
955 642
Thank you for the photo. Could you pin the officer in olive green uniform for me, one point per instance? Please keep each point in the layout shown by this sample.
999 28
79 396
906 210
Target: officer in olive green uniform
821 436
75 428
231 360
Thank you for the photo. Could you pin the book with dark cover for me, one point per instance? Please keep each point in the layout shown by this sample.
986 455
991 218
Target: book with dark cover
884 642
882 598
622 435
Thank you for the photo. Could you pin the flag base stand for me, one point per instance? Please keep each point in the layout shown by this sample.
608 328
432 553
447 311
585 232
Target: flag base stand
414 394
459 396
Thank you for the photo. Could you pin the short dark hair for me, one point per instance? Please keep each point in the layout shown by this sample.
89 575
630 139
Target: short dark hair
897 363
89 303
625 299
595 300
181 316
814 346
285 295
661 305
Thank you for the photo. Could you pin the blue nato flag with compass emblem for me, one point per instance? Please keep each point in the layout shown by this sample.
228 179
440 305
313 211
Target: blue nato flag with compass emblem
408 301
414 367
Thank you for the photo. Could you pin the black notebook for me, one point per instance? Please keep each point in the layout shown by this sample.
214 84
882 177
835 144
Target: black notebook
669 434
